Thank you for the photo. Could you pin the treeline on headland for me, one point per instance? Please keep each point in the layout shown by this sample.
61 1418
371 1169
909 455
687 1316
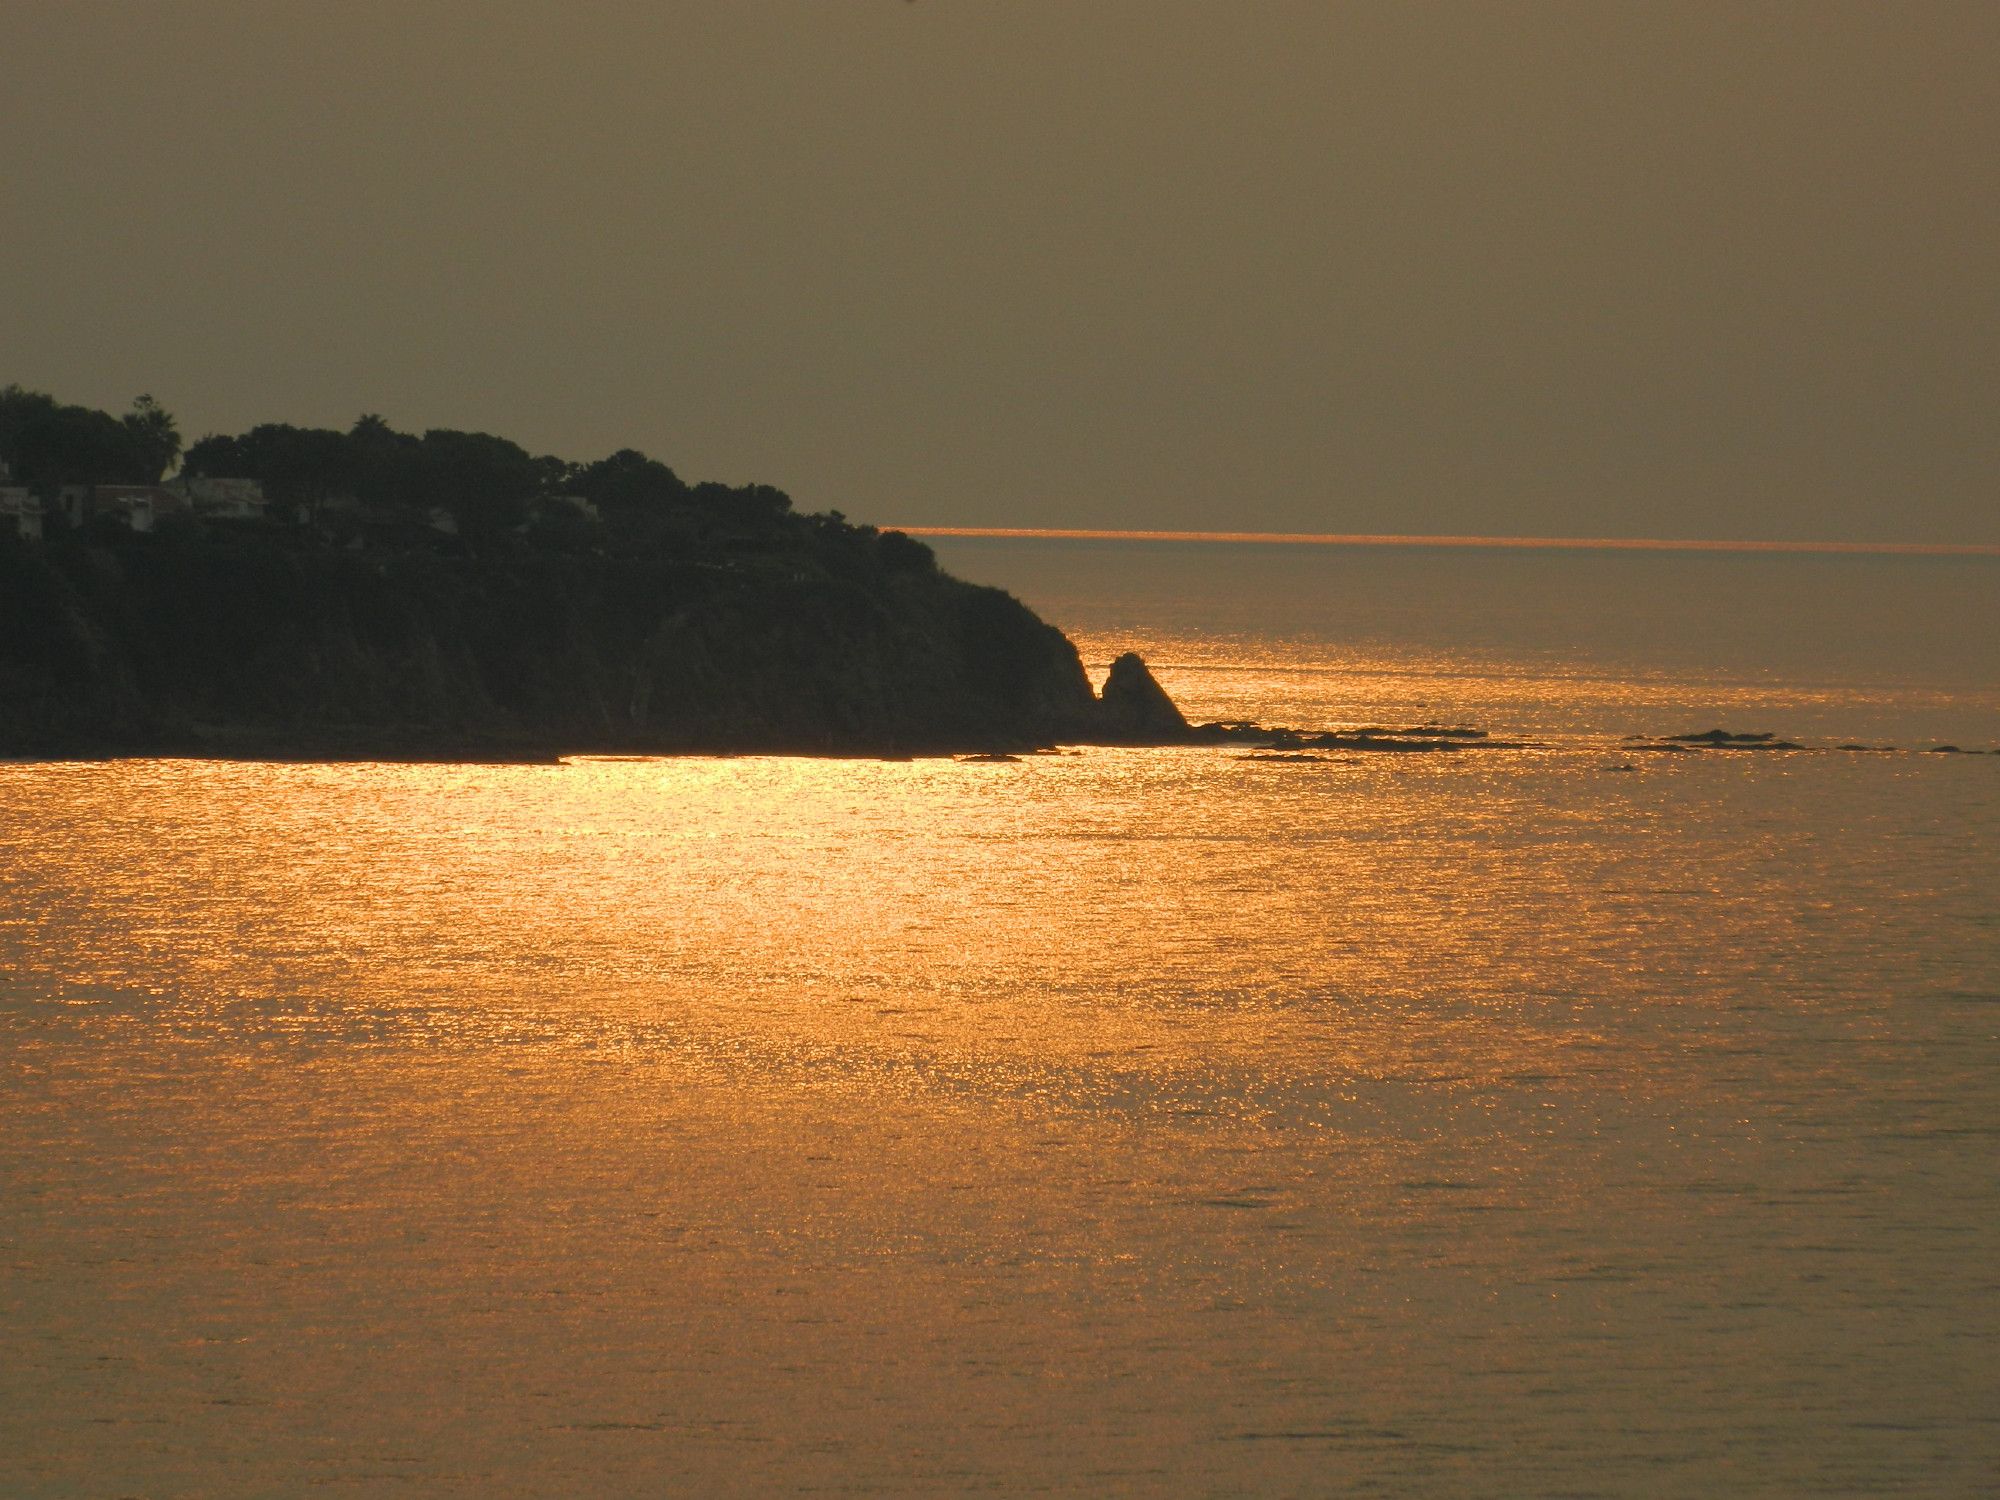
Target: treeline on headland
448 593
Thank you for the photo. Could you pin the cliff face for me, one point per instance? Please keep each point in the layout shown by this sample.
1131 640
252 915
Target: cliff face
256 642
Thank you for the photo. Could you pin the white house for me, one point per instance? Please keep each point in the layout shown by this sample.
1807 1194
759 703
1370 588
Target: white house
137 505
224 499
21 509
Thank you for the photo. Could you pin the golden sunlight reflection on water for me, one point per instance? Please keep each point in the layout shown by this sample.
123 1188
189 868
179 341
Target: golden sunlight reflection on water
1155 1121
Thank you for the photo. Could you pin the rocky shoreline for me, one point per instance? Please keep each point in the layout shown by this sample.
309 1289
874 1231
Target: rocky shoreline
1115 719
814 638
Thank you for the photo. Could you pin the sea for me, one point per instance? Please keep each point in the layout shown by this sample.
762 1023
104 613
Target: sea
1580 1118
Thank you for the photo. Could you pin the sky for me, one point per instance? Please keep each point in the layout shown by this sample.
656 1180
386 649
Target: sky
1629 270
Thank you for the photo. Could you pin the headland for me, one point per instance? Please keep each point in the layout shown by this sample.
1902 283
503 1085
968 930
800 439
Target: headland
299 593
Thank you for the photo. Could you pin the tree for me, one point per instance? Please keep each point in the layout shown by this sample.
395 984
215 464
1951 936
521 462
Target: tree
902 553
20 409
750 507
384 463
217 457
485 481
628 480
77 445
155 437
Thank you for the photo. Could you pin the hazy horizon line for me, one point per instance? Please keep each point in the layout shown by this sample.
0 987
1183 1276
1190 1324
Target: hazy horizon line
1366 539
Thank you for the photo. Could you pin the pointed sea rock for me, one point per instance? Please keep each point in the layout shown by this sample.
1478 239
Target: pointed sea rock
1135 710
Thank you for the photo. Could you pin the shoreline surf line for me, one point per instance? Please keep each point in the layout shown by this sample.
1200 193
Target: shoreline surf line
1338 539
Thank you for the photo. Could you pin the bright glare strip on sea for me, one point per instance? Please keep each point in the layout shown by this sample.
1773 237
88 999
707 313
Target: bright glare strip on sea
1118 1115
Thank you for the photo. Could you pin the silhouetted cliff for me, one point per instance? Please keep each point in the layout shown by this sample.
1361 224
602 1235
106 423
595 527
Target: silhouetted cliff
307 591
268 640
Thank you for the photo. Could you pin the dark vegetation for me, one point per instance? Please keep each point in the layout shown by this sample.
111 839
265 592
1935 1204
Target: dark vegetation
47 444
450 593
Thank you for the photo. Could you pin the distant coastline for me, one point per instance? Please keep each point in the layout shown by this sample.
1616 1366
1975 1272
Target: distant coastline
1570 543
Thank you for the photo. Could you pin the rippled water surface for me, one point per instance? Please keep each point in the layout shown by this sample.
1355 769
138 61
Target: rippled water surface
1149 1122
